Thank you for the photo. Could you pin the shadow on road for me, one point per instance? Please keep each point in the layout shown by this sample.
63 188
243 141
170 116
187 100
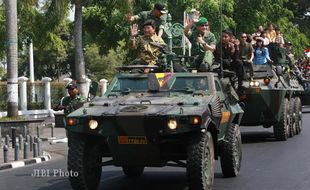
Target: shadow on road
116 180
257 137
57 183
150 180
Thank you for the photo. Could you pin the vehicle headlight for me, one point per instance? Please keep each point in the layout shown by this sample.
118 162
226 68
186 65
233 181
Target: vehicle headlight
172 124
252 83
256 84
93 124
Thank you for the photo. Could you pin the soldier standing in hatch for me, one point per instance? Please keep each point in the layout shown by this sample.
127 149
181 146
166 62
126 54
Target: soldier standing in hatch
158 14
72 102
227 53
203 42
147 53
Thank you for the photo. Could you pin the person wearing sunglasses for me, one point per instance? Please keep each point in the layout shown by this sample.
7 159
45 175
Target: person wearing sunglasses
203 42
226 53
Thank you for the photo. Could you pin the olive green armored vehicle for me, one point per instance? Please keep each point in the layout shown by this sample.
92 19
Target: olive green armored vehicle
156 120
272 98
305 97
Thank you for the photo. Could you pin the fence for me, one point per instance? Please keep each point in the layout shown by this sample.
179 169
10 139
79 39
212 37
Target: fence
37 103
57 92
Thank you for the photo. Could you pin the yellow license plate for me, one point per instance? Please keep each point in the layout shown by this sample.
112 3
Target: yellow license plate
132 140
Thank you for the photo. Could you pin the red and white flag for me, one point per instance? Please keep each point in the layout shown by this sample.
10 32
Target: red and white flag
307 52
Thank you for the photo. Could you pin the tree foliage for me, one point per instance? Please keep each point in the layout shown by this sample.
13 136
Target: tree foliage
105 31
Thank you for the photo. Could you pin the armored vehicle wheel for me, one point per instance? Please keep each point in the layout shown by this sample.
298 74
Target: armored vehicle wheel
132 171
292 129
200 162
298 115
281 129
85 159
230 152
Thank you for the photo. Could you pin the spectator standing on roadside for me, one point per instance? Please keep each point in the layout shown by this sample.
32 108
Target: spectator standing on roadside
72 102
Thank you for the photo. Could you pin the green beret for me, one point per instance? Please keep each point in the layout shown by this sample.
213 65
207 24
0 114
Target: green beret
201 21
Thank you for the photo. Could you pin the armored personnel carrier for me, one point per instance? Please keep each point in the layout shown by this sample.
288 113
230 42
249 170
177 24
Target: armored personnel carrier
305 97
272 99
155 120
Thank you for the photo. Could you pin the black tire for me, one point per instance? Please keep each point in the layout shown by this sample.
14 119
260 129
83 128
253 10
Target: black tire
85 159
231 152
298 115
281 128
133 171
200 162
292 129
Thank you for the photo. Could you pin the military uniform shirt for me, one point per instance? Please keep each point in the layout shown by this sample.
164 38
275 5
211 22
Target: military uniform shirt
147 53
198 49
245 51
145 15
72 104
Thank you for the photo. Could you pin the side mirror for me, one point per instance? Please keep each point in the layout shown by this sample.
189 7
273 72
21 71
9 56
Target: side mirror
93 88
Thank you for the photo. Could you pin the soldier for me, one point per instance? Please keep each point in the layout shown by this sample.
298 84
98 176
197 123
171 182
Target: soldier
158 14
246 53
203 43
226 53
71 102
149 44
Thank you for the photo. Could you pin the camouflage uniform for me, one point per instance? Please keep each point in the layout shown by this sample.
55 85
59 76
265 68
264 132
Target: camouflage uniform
147 53
204 56
146 15
72 104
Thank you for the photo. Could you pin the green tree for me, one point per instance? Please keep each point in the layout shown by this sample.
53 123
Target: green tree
104 66
248 17
12 57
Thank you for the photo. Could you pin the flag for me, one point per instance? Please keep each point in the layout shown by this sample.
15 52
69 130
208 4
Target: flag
307 52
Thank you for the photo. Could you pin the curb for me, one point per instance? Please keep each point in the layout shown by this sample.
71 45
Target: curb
22 163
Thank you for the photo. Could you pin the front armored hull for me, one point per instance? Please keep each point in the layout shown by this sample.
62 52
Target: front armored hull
305 97
148 131
138 139
262 106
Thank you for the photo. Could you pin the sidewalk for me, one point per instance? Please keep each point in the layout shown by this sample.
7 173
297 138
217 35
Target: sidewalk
50 150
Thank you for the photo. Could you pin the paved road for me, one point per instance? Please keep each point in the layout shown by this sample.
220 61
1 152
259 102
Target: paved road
267 165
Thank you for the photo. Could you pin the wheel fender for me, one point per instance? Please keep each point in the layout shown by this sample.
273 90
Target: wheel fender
213 129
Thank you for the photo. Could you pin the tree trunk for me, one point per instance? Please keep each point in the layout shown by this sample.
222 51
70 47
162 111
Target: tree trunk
12 54
79 58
